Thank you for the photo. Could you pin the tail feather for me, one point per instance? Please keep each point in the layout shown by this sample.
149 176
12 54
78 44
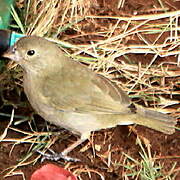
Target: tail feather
155 120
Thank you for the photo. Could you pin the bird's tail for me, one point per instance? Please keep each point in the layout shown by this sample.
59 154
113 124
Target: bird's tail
155 120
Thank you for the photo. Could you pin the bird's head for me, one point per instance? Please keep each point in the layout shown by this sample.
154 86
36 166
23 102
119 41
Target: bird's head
34 53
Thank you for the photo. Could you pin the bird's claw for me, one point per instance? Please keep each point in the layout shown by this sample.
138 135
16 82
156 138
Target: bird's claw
56 156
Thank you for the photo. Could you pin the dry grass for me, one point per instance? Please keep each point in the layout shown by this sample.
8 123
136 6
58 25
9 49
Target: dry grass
104 41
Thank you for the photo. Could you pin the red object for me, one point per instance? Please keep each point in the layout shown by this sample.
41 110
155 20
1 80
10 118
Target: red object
52 172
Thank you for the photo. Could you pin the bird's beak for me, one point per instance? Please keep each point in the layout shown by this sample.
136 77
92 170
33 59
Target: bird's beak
11 54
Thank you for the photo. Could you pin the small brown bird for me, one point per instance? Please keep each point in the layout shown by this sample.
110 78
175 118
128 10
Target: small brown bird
68 94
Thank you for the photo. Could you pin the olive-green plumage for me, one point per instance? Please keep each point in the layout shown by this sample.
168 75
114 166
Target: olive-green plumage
68 94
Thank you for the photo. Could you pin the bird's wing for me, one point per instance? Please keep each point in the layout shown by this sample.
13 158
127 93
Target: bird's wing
81 90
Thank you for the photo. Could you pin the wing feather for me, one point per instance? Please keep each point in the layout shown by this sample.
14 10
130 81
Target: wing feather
81 90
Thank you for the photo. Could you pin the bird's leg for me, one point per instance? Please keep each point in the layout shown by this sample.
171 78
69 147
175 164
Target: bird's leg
63 155
72 146
56 156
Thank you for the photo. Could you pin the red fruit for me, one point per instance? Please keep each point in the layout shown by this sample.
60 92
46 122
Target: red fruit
52 172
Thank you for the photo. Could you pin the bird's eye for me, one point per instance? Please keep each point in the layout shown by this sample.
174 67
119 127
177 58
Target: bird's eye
14 49
30 52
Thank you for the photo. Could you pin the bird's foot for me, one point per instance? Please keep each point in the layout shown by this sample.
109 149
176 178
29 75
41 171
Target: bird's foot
57 156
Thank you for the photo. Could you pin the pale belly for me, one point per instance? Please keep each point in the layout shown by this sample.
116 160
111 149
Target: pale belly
79 123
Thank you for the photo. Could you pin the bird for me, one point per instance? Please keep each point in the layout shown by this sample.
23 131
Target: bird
68 94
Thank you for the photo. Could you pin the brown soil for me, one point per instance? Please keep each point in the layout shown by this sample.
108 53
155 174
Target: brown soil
113 141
